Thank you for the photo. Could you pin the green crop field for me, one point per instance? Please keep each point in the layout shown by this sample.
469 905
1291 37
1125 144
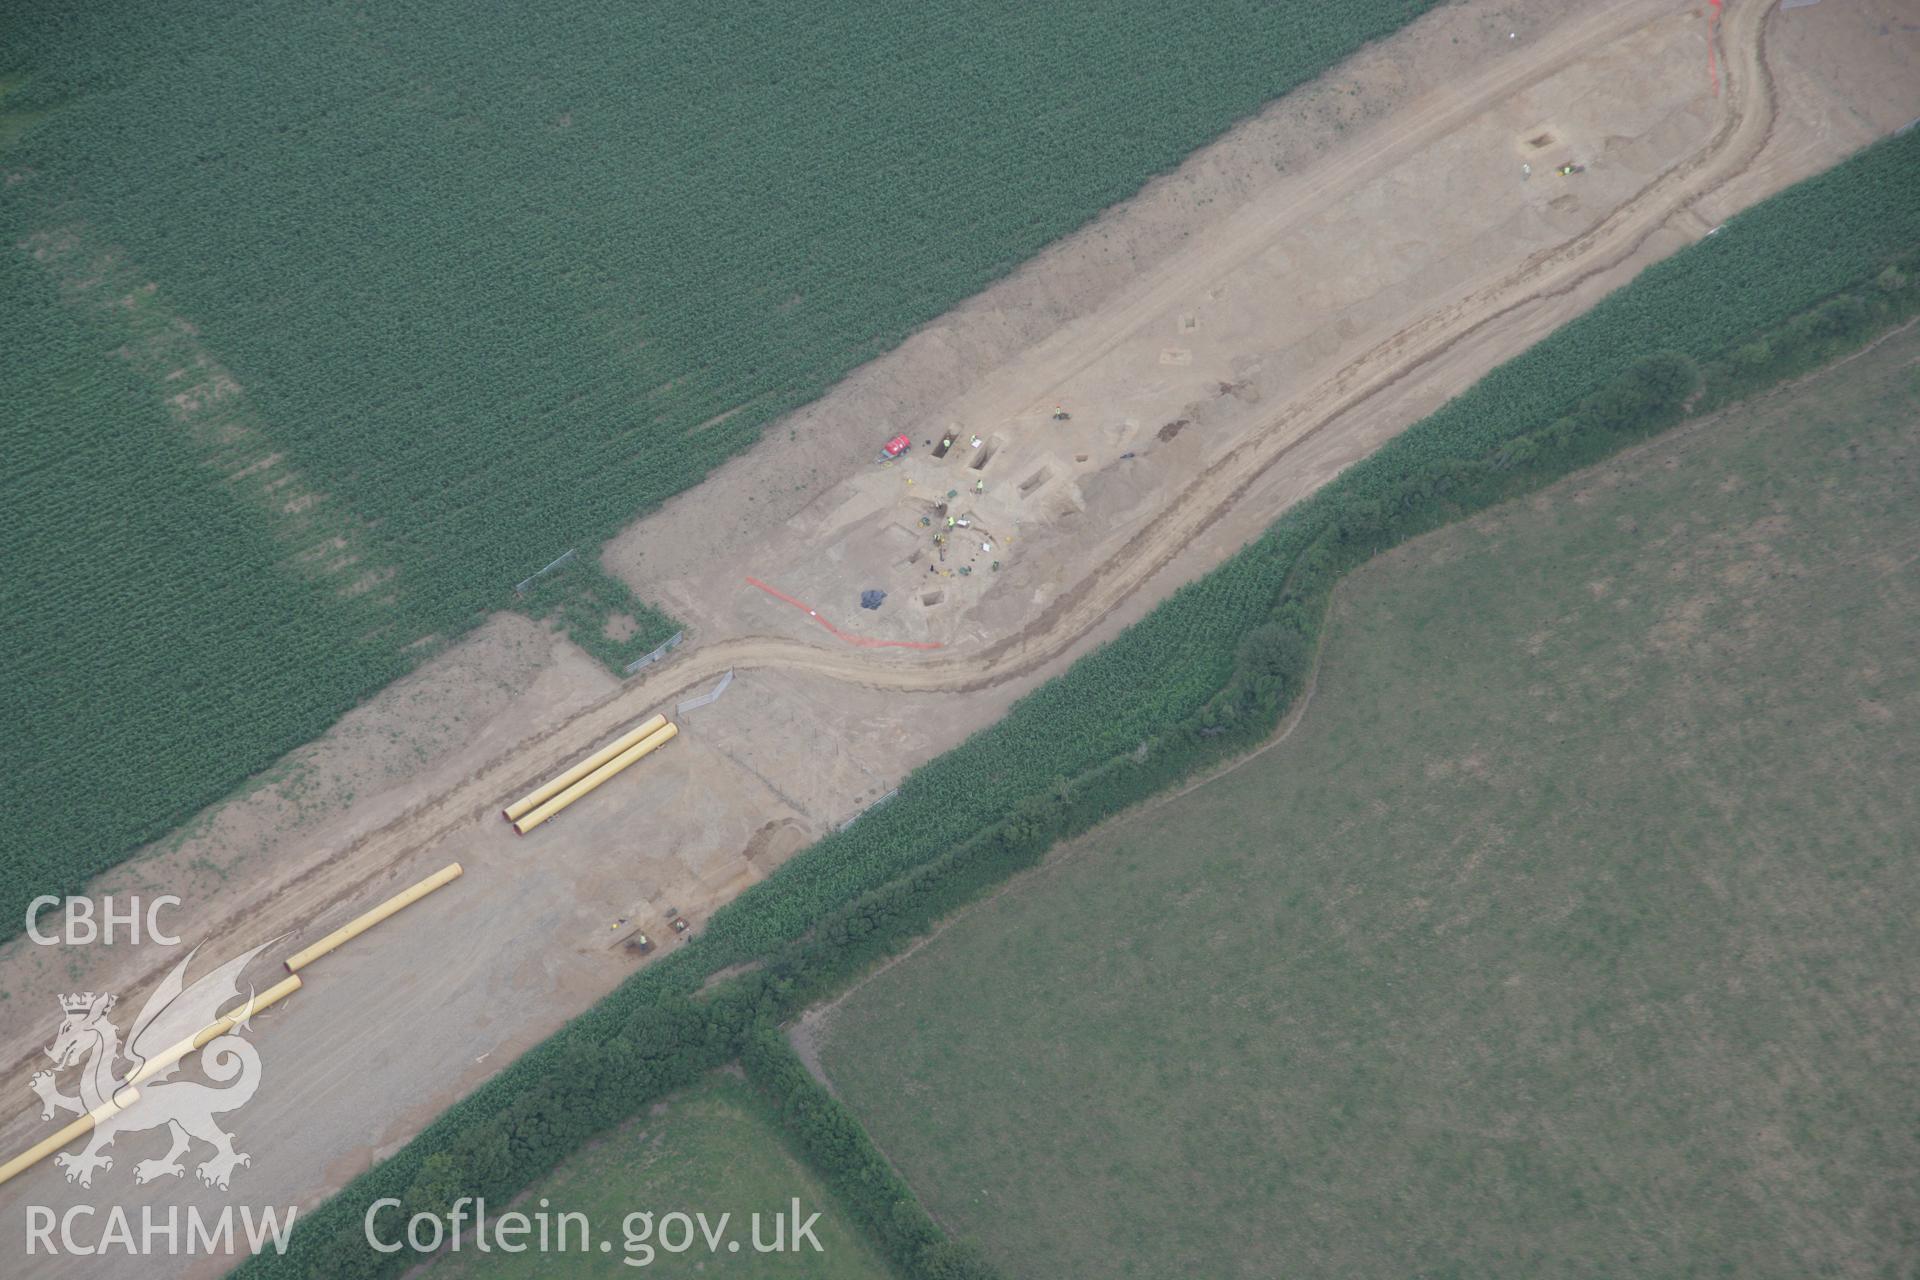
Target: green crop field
139 598
710 1150
426 300
1569 934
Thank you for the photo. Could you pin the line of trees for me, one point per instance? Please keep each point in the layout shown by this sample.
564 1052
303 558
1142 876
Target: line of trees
830 1138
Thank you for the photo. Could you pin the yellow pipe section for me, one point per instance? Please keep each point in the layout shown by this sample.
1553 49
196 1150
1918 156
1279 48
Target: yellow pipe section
79 1128
660 737
218 1027
554 785
127 1094
360 924
264 1000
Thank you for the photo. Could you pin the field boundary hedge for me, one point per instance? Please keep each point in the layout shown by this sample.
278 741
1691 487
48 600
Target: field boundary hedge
831 1140
1786 286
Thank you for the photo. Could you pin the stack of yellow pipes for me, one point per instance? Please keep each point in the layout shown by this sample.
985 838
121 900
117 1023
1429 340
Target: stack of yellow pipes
550 797
128 1094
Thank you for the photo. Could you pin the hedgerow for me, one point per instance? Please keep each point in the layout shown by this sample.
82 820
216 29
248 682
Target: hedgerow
833 1142
1205 676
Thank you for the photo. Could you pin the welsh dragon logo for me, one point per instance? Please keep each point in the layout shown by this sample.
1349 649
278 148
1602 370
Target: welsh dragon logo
187 1108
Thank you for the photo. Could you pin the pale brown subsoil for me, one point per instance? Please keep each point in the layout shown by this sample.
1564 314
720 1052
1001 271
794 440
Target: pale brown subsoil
1298 293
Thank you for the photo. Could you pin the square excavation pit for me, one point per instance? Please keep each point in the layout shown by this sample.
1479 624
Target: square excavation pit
1544 146
1537 141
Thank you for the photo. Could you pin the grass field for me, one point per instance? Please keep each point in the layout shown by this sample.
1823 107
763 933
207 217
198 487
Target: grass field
712 1149
429 300
1569 934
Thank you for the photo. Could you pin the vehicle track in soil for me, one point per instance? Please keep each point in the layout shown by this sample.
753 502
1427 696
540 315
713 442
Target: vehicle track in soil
1744 122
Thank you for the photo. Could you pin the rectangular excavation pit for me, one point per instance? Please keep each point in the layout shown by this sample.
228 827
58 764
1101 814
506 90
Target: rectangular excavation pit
1537 143
984 453
932 598
946 443
1035 480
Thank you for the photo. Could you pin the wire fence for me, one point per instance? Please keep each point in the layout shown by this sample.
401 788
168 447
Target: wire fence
708 698
869 809
532 578
651 658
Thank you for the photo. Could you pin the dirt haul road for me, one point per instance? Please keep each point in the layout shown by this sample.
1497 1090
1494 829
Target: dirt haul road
410 1018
